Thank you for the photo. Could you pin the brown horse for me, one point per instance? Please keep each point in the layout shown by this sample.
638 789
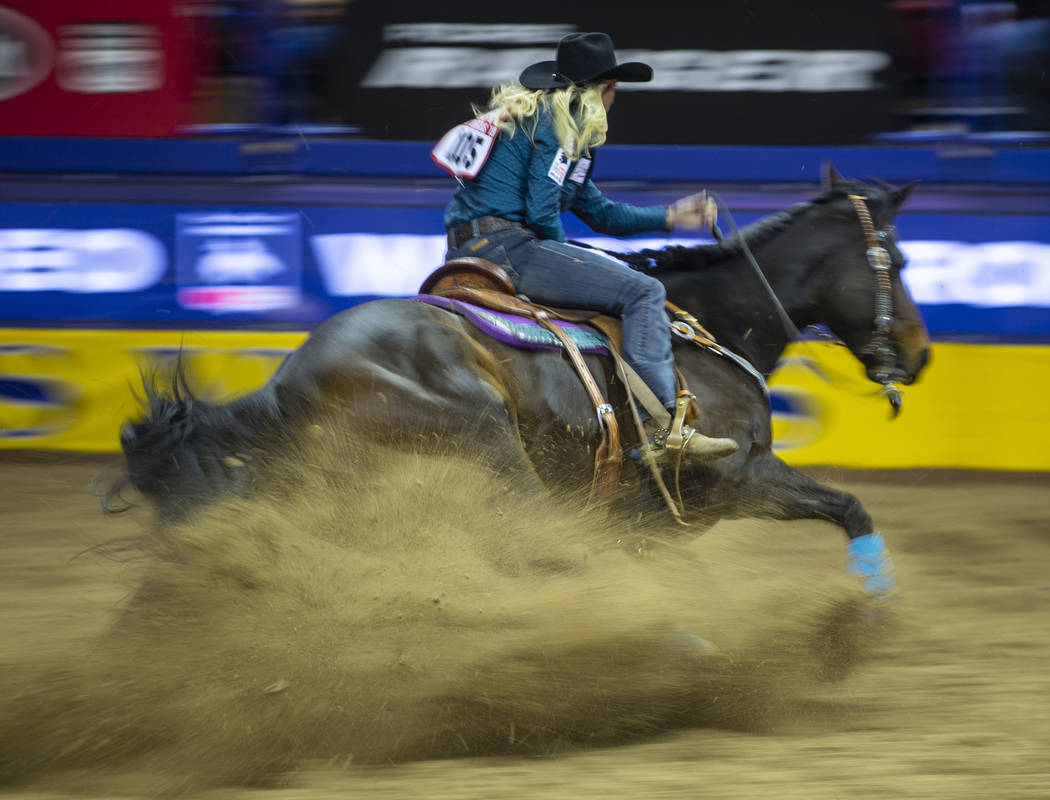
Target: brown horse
399 369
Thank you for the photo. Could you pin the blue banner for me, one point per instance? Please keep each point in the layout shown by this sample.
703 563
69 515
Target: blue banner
287 266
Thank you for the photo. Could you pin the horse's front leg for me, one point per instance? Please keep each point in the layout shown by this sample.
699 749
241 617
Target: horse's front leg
778 491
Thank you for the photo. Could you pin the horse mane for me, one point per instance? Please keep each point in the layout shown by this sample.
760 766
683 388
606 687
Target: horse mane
705 256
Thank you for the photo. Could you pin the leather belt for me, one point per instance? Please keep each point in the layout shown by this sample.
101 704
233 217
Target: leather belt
477 227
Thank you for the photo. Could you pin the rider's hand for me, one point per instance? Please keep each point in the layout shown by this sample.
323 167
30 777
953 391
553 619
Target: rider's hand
697 212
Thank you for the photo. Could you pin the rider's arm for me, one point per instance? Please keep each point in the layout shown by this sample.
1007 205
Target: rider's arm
617 219
542 191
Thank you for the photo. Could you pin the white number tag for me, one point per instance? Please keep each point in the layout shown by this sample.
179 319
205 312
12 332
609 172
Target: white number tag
559 167
579 175
462 151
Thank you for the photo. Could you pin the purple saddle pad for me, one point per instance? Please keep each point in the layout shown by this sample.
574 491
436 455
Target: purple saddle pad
519 331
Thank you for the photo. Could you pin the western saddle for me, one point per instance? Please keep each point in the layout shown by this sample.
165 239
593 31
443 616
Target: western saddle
484 283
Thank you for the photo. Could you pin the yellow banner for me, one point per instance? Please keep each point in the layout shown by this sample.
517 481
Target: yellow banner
976 406
73 389
979 406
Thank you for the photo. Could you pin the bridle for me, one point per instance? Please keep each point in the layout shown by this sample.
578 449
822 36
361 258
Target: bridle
881 345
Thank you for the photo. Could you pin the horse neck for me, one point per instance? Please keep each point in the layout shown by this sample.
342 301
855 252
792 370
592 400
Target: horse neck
731 301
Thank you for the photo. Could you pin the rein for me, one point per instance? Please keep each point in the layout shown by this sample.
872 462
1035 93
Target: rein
789 326
881 345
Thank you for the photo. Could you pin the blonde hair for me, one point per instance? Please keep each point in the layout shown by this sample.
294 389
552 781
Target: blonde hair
577 112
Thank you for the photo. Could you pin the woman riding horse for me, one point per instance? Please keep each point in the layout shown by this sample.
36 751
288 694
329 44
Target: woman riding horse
508 213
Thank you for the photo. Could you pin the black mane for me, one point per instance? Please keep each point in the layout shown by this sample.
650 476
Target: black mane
680 257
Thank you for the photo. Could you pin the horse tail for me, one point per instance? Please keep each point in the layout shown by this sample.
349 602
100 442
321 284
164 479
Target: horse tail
184 451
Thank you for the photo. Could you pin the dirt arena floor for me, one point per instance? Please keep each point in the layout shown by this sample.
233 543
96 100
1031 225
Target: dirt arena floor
383 640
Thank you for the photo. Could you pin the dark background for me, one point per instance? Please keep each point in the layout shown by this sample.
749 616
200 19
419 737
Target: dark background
640 117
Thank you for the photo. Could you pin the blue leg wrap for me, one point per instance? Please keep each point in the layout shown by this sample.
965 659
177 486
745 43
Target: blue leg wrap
869 559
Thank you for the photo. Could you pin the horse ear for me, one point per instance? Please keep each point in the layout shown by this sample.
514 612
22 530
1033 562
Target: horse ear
830 177
901 195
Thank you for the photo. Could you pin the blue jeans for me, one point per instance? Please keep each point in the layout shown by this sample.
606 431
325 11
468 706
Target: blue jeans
558 274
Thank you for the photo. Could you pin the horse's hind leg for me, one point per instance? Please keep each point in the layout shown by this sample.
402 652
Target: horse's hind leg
777 491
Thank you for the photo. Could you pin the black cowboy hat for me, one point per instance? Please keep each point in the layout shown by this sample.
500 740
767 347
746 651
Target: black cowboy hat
583 58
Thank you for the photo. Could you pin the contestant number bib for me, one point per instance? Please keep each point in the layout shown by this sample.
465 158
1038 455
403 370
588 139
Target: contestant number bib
462 151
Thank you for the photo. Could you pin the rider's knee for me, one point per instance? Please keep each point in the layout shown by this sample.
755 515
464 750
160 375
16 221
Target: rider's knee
650 290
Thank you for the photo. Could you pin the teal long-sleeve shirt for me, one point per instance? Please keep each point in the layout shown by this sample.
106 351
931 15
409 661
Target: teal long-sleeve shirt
529 179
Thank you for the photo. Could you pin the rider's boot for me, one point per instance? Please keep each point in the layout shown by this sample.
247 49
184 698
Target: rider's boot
695 447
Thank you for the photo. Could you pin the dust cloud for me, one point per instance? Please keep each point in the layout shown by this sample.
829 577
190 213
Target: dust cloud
367 606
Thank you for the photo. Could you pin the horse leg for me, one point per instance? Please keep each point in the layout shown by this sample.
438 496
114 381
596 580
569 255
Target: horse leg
778 491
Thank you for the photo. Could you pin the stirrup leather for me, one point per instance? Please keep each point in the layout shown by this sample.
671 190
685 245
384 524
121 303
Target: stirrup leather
676 439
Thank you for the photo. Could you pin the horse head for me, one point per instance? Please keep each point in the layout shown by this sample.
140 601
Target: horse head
861 296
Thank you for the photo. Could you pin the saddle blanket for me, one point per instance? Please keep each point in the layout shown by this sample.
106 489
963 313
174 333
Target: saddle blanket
519 331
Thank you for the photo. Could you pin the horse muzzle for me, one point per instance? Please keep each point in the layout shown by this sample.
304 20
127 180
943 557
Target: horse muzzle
904 371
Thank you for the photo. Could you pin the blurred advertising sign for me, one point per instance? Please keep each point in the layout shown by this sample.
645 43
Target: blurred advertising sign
26 53
63 389
238 262
110 58
998 274
80 261
107 68
67 389
36 399
980 274
762 72
161 264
